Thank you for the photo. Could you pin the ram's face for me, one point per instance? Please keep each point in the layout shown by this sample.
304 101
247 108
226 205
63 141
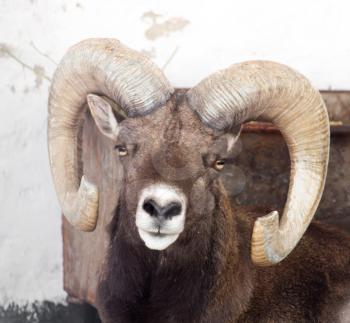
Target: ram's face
170 160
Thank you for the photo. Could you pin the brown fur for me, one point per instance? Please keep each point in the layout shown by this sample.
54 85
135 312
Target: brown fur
207 275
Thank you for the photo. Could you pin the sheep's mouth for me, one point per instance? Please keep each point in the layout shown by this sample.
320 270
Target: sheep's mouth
157 234
157 240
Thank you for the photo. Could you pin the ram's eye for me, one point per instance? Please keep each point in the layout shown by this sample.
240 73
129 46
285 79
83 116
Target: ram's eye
219 164
122 150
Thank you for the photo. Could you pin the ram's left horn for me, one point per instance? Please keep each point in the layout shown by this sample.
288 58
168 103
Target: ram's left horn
277 93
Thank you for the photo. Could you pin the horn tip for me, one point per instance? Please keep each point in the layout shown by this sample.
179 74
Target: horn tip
265 229
88 206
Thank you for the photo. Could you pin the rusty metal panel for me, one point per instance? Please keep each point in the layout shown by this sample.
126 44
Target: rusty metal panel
338 105
259 176
263 164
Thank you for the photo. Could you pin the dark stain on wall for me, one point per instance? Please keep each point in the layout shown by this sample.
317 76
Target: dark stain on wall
48 312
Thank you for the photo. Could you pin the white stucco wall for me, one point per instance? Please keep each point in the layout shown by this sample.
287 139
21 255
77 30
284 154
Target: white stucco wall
189 39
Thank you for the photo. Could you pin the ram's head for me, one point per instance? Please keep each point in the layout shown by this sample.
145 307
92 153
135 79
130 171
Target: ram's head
172 145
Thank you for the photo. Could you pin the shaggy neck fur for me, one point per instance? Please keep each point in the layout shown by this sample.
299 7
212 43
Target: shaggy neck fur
180 283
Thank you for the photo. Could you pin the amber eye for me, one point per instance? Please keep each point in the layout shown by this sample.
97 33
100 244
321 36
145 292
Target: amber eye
219 164
122 150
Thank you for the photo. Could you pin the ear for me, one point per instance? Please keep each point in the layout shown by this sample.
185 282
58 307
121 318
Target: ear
103 115
232 137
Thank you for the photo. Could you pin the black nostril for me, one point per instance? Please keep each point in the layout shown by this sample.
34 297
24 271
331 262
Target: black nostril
151 208
170 210
167 212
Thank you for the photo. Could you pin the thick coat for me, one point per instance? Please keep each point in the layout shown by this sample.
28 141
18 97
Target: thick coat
211 278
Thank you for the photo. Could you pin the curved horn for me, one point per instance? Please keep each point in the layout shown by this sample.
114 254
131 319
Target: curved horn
276 93
101 66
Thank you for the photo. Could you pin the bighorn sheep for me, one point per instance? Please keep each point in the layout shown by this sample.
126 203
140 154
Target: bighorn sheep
179 252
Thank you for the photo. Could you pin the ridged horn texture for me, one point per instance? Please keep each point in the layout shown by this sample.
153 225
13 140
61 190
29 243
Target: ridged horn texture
100 66
274 92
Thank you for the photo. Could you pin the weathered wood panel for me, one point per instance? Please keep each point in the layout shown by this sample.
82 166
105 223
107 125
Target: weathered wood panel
84 252
260 177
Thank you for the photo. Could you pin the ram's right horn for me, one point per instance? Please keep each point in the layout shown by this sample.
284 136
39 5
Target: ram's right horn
101 66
